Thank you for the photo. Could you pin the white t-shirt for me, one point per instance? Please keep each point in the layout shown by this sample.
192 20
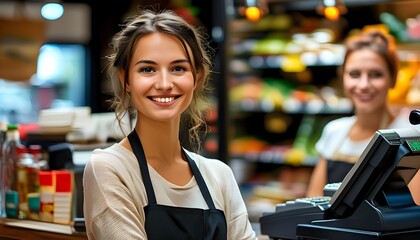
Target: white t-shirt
334 138
114 195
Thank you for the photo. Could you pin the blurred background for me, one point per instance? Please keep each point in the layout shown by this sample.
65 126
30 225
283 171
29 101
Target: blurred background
275 80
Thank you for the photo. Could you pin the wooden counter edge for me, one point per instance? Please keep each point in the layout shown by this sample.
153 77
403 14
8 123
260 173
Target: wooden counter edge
10 231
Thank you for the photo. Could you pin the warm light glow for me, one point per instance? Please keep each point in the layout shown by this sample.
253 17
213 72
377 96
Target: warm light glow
331 9
253 13
332 13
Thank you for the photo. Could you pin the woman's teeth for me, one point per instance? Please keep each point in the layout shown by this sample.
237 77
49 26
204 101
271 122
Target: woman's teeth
164 100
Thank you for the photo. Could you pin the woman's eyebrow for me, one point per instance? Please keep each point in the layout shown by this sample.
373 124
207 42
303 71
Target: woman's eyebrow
181 61
145 62
152 62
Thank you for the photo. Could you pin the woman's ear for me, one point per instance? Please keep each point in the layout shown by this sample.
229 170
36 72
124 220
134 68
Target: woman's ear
121 77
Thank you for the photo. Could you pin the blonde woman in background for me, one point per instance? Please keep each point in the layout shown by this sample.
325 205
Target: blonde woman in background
370 69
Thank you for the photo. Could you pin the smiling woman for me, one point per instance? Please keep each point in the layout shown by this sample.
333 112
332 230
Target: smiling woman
370 70
148 182
160 79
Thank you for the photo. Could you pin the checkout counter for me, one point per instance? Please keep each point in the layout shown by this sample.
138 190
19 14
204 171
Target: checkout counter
372 203
34 230
67 156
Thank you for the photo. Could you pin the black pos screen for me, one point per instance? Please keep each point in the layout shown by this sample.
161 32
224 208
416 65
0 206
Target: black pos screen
382 173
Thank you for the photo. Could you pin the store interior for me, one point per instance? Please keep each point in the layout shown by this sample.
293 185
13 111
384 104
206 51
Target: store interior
275 83
284 87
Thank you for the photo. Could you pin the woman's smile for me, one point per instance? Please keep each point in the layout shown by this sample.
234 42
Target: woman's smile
162 99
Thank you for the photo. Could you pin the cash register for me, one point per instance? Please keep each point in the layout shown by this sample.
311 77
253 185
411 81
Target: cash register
372 202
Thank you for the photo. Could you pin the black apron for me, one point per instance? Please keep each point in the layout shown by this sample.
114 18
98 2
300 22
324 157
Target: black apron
169 222
337 170
340 164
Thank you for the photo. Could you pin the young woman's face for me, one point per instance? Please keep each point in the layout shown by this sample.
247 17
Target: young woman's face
366 80
161 81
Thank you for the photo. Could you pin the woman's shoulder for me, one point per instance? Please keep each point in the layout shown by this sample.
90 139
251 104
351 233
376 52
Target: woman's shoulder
114 155
115 161
333 133
113 150
208 164
340 124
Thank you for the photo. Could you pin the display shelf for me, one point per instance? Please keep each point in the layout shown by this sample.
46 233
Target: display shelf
275 157
260 130
321 108
283 86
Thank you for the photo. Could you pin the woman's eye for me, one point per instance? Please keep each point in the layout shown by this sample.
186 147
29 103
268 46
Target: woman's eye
354 74
146 69
179 69
375 74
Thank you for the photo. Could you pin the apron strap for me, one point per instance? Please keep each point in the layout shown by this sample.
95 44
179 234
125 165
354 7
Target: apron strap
200 181
141 158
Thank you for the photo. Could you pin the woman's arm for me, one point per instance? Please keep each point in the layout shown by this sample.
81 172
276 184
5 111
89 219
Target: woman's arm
237 218
109 206
318 179
414 187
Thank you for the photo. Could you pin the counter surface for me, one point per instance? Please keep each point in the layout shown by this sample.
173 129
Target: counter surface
22 229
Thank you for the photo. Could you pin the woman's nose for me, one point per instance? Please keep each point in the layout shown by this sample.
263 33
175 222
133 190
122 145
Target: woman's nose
164 82
363 81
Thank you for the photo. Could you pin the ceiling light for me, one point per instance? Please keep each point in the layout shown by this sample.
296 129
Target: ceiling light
332 9
52 11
